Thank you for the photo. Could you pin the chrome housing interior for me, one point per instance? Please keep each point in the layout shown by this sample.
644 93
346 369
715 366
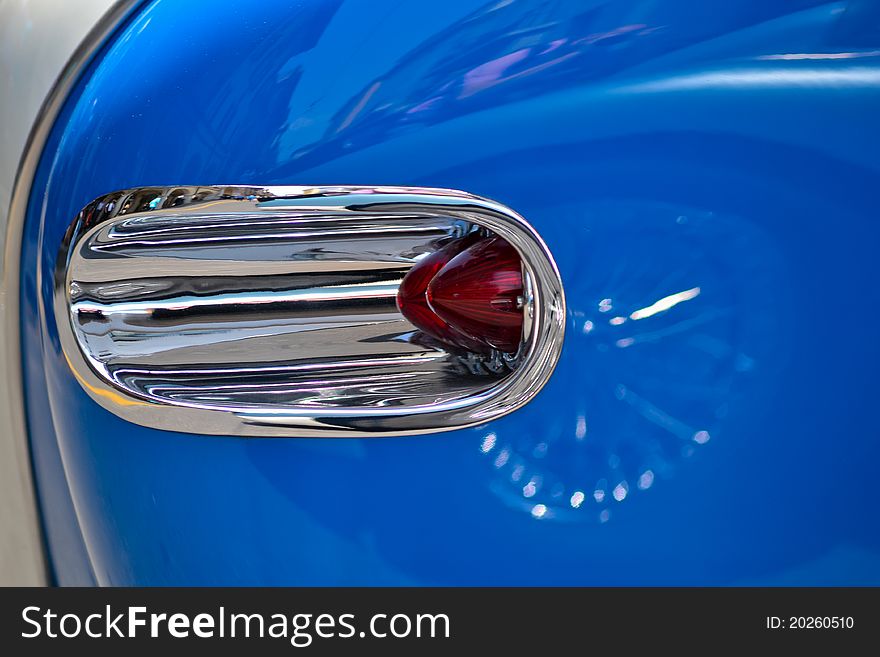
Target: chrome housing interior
272 311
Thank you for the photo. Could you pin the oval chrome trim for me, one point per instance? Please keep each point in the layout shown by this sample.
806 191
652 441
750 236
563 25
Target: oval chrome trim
226 215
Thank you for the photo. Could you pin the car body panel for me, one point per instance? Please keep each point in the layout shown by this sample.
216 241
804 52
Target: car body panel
37 39
703 177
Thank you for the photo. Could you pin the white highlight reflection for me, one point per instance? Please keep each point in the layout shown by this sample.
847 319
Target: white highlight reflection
701 437
821 55
665 303
853 76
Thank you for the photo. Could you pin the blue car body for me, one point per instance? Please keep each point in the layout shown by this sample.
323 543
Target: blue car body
706 177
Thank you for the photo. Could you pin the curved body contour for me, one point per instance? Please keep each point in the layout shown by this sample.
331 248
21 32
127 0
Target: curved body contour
38 38
703 177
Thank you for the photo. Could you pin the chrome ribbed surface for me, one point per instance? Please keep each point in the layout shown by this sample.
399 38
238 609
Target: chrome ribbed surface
272 311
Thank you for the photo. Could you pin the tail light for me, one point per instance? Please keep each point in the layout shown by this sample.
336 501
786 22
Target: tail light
468 294
290 311
480 294
412 297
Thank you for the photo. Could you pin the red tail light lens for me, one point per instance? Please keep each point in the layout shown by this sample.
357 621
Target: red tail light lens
413 302
480 293
469 294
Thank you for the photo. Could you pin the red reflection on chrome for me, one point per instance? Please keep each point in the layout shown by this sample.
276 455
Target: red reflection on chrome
479 293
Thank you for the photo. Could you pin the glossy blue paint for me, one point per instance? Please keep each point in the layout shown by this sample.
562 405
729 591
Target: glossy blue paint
704 175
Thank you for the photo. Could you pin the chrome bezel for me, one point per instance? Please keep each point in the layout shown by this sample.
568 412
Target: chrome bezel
538 354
